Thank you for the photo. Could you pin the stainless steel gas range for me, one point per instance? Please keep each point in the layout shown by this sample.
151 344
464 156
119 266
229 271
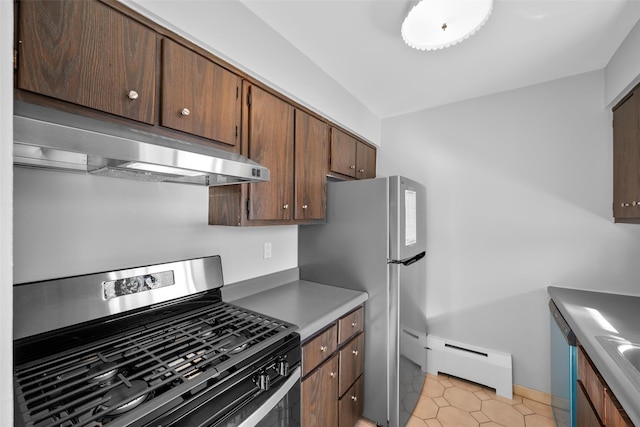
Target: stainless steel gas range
150 346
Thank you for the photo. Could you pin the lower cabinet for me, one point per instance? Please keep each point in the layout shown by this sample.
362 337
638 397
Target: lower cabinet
595 403
333 382
319 391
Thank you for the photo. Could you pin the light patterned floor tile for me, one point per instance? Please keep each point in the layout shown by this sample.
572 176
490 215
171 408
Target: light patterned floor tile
451 416
480 416
524 409
538 408
445 401
463 399
425 408
537 420
503 413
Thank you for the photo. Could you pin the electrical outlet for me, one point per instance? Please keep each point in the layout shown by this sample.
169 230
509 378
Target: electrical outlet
266 254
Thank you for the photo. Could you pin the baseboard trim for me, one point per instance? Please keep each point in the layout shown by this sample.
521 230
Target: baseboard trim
531 394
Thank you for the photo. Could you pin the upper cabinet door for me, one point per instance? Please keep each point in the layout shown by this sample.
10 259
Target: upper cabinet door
365 161
88 54
311 147
270 142
626 159
343 153
199 96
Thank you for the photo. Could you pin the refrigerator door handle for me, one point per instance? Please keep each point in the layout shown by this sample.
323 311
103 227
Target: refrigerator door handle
407 261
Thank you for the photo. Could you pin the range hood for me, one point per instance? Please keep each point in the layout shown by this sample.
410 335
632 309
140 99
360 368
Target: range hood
53 139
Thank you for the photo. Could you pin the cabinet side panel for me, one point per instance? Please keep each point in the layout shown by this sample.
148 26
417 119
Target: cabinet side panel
330 253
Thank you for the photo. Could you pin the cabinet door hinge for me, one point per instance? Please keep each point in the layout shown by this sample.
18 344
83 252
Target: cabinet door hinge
15 59
248 208
236 131
249 98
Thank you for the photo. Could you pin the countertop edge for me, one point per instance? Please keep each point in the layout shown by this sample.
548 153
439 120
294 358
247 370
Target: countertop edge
313 328
307 297
622 388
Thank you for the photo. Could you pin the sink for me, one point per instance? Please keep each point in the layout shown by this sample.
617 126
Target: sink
631 352
625 354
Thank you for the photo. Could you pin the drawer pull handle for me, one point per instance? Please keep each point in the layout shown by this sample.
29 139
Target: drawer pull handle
332 374
323 348
133 95
355 352
354 398
354 324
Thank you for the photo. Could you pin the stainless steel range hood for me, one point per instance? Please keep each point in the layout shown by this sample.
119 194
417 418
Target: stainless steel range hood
53 139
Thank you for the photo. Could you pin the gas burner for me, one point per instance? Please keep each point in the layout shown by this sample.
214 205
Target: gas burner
103 373
124 393
233 344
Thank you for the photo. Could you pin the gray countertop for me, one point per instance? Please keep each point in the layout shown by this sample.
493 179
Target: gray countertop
309 305
595 318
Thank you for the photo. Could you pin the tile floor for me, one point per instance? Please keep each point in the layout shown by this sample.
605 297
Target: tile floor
444 401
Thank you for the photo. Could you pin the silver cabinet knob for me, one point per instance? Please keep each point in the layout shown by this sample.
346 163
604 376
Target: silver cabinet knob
361 171
354 324
132 95
305 206
332 374
354 398
286 206
352 167
323 348
185 112
355 352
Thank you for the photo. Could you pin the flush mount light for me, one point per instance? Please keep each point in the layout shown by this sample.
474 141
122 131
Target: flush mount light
436 24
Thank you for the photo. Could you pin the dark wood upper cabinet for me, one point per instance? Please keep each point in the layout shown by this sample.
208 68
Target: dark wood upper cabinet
86 53
311 143
365 161
269 125
626 159
343 153
351 157
199 96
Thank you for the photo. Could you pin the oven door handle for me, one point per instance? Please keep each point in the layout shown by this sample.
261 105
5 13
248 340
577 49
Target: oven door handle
273 400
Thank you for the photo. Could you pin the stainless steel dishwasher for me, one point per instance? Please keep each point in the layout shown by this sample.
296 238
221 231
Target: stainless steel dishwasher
564 369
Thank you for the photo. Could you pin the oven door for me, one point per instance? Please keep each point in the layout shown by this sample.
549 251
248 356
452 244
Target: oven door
279 407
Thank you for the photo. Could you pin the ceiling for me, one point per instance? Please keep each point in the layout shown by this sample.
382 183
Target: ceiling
358 43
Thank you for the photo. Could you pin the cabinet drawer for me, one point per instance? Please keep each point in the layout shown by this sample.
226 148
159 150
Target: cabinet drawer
351 362
593 383
319 348
350 406
350 325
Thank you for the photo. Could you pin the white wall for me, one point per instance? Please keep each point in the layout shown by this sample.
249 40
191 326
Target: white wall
237 35
623 70
519 191
68 224
6 178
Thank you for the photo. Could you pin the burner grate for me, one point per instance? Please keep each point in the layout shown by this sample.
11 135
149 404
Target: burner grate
97 382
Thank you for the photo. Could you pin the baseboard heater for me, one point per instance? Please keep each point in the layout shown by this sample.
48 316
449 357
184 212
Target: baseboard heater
483 366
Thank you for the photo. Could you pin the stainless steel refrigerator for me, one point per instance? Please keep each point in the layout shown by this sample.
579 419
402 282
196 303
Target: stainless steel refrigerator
374 240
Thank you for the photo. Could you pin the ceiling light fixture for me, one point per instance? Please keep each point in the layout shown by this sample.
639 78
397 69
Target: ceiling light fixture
436 24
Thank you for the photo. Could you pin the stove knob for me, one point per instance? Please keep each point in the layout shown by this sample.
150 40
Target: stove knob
283 368
263 381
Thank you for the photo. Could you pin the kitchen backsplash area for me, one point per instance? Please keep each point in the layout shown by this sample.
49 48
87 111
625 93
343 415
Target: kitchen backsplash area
67 224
